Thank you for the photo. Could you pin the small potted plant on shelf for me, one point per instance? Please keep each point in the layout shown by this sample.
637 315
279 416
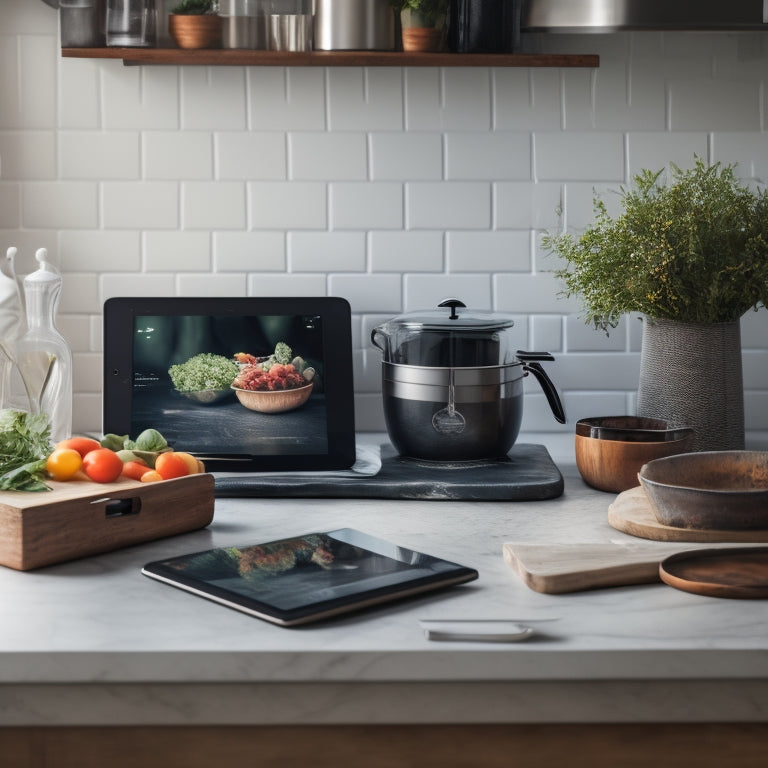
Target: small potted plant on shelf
423 24
689 254
195 24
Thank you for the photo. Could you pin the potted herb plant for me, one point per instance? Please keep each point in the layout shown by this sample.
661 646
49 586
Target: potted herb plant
689 252
423 23
195 24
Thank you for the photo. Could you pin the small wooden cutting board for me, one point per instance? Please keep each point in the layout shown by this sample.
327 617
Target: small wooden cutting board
560 568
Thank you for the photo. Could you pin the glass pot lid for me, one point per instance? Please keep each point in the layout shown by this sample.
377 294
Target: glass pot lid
450 336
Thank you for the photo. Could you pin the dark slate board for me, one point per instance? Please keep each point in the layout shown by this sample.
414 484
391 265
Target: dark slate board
527 473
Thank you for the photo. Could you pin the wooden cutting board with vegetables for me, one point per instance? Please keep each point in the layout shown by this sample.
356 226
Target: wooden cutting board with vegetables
85 496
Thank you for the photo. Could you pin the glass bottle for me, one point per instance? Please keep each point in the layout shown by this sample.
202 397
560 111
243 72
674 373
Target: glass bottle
12 392
44 357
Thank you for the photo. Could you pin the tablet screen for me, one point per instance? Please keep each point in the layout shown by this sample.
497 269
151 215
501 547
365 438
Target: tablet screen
245 384
306 578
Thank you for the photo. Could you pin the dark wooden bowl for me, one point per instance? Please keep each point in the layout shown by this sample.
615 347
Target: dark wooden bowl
629 429
711 490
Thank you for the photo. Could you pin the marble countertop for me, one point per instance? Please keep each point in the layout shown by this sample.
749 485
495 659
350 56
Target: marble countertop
94 641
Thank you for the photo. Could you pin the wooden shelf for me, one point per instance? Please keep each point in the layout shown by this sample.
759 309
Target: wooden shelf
247 58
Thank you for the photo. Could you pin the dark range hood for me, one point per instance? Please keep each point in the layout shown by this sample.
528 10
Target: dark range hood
619 15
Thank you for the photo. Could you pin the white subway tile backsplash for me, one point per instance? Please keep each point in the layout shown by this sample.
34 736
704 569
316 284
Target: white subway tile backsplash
410 156
531 294
287 285
527 99
473 156
376 205
595 156
177 155
213 98
285 99
427 291
138 98
87 413
151 284
249 252
365 99
368 293
80 94
97 250
254 155
748 151
29 155
525 204
393 187
645 149
98 155
212 285
460 205
406 251
721 105
141 205
327 156
450 99
175 251
10 206
287 205
488 251
213 205
326 252
60 205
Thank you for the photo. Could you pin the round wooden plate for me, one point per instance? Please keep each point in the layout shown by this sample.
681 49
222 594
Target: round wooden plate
740 572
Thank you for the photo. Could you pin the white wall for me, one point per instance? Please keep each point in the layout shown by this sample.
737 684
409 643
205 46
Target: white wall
391 187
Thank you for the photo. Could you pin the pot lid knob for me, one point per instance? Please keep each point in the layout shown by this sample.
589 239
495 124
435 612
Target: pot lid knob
452 303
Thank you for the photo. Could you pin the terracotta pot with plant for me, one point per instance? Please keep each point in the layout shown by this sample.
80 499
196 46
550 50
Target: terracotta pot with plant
423 24
195 24
690 255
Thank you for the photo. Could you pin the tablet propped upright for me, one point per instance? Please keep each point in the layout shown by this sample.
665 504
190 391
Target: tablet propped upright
308 578
144 337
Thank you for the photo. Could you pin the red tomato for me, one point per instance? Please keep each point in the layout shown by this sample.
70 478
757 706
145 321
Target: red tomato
168 465
82 445
102 465
135 469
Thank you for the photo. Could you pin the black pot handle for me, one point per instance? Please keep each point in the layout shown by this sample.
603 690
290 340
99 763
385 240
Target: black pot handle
452 303
530 366
374 332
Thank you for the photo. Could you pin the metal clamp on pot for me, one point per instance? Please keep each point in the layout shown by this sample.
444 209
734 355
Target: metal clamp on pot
452 383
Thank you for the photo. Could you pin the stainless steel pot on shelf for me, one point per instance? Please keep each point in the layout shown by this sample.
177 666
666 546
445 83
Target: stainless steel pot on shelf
452 383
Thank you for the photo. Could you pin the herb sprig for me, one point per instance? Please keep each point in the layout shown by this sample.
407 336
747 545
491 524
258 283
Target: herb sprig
694 250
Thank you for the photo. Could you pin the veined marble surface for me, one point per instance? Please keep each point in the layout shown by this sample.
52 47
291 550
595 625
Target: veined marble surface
95 641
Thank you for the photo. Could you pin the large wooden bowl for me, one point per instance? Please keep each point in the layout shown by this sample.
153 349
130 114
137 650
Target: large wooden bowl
277 401
612 465
711 490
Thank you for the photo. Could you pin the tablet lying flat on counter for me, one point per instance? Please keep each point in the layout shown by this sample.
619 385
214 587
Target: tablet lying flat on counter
307 578
306 423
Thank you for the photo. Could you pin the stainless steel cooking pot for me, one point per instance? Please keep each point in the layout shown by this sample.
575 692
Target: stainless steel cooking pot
452 383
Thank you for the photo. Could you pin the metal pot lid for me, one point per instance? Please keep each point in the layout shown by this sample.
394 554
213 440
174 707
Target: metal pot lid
450 315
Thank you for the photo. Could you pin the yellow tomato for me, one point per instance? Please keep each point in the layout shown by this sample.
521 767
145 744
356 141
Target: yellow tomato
64 463
193 464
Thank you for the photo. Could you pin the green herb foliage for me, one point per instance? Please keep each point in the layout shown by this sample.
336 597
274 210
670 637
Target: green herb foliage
694 250
194 7
430 10
24 447
203 371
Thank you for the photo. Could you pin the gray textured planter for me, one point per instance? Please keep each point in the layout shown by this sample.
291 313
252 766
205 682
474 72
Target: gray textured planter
690 375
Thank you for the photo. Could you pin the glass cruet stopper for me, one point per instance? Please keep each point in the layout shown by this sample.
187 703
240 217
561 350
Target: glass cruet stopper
44 357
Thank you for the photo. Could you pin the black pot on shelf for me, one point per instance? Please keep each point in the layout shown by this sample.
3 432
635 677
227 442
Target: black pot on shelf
484 26
452 383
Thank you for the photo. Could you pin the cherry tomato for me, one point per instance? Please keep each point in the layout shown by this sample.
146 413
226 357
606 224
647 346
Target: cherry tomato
64 463
193 464
168 465
135 469
82 445
102 465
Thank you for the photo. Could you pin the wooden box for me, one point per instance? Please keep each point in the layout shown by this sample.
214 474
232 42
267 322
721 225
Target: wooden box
77 518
